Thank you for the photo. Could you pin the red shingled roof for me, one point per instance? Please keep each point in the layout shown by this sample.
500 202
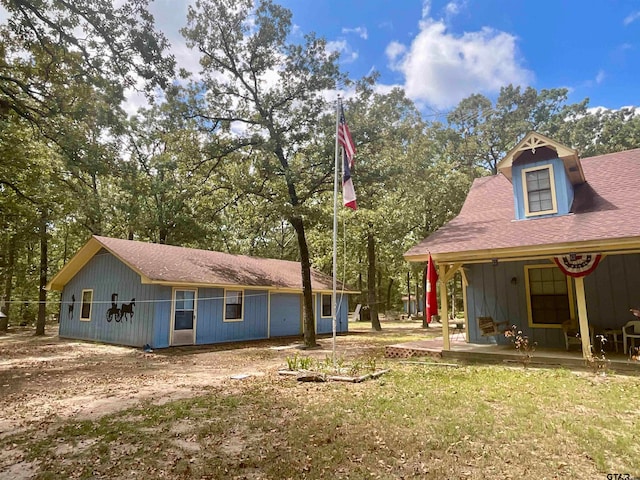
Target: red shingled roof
605 209
178 265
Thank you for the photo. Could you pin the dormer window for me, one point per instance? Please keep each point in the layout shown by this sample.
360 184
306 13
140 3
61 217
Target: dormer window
539 191
544 175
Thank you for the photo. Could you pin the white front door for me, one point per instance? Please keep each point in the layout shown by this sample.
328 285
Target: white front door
183 318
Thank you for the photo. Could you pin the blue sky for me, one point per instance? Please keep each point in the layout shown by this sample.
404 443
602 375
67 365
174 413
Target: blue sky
443 51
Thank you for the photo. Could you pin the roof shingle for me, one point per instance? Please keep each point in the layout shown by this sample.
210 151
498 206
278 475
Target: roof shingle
607 207
168 263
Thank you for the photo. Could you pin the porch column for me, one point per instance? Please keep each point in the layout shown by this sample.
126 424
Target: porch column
444 313
465 284
582 318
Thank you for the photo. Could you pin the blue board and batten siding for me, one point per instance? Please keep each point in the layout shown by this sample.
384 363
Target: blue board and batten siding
612 290
211 327
265 314
325 324
106 275
162 319
562 187
500 292
285 314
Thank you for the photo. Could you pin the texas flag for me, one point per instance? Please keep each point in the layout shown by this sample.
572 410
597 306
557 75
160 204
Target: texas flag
349 149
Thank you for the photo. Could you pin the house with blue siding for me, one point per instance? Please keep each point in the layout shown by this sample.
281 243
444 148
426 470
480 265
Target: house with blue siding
549 243
135 293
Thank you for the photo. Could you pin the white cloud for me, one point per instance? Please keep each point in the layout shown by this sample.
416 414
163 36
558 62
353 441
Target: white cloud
169 17
440 68
596 110
341 46
632 110
360 31
426 8
592 82
452 8
384 89
632 17
394 50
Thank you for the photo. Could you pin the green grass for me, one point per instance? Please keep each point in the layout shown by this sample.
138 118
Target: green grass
477 422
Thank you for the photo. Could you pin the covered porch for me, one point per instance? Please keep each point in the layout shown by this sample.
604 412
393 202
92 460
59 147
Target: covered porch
540 293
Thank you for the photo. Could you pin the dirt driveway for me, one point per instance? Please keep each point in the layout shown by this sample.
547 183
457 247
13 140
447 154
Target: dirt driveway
43 379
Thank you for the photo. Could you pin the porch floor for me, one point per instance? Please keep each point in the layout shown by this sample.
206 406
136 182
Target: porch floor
490 353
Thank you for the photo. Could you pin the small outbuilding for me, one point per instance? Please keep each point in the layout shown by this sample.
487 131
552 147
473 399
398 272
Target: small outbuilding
135 293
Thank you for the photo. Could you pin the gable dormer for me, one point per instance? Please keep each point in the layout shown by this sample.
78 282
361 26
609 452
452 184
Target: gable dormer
544 174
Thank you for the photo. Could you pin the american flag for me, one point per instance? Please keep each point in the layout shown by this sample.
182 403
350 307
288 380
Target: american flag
349 148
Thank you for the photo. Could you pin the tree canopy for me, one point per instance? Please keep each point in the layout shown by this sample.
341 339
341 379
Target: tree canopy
240 156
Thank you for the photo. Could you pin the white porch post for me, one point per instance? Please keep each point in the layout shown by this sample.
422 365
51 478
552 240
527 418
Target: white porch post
444 313
582 317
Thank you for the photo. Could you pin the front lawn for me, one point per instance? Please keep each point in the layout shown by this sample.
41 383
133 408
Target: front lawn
418 421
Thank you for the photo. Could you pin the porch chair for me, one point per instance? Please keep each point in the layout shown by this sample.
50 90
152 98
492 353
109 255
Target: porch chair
630 330
571 334
356 314
489 328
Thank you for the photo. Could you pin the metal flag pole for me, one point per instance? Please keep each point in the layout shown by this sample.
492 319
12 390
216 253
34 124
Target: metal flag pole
335 235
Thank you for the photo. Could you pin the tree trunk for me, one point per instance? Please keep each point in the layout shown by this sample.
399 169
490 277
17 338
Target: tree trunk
371 280
94 213
163 233
379 289
360 278
389 294
408 294
309 319
42 297
8 283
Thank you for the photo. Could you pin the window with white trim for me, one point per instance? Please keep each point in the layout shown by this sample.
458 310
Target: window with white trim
538 190
549 295
86 304
233 303
326 305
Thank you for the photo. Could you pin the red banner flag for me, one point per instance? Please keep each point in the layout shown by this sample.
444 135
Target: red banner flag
430 295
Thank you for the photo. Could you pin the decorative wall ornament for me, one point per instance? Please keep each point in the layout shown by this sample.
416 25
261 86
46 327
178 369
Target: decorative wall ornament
71 307
575 265
119 313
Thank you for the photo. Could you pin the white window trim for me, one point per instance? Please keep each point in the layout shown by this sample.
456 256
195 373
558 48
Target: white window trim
322 303
224 306
525 191
570 296
173 310
86 319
